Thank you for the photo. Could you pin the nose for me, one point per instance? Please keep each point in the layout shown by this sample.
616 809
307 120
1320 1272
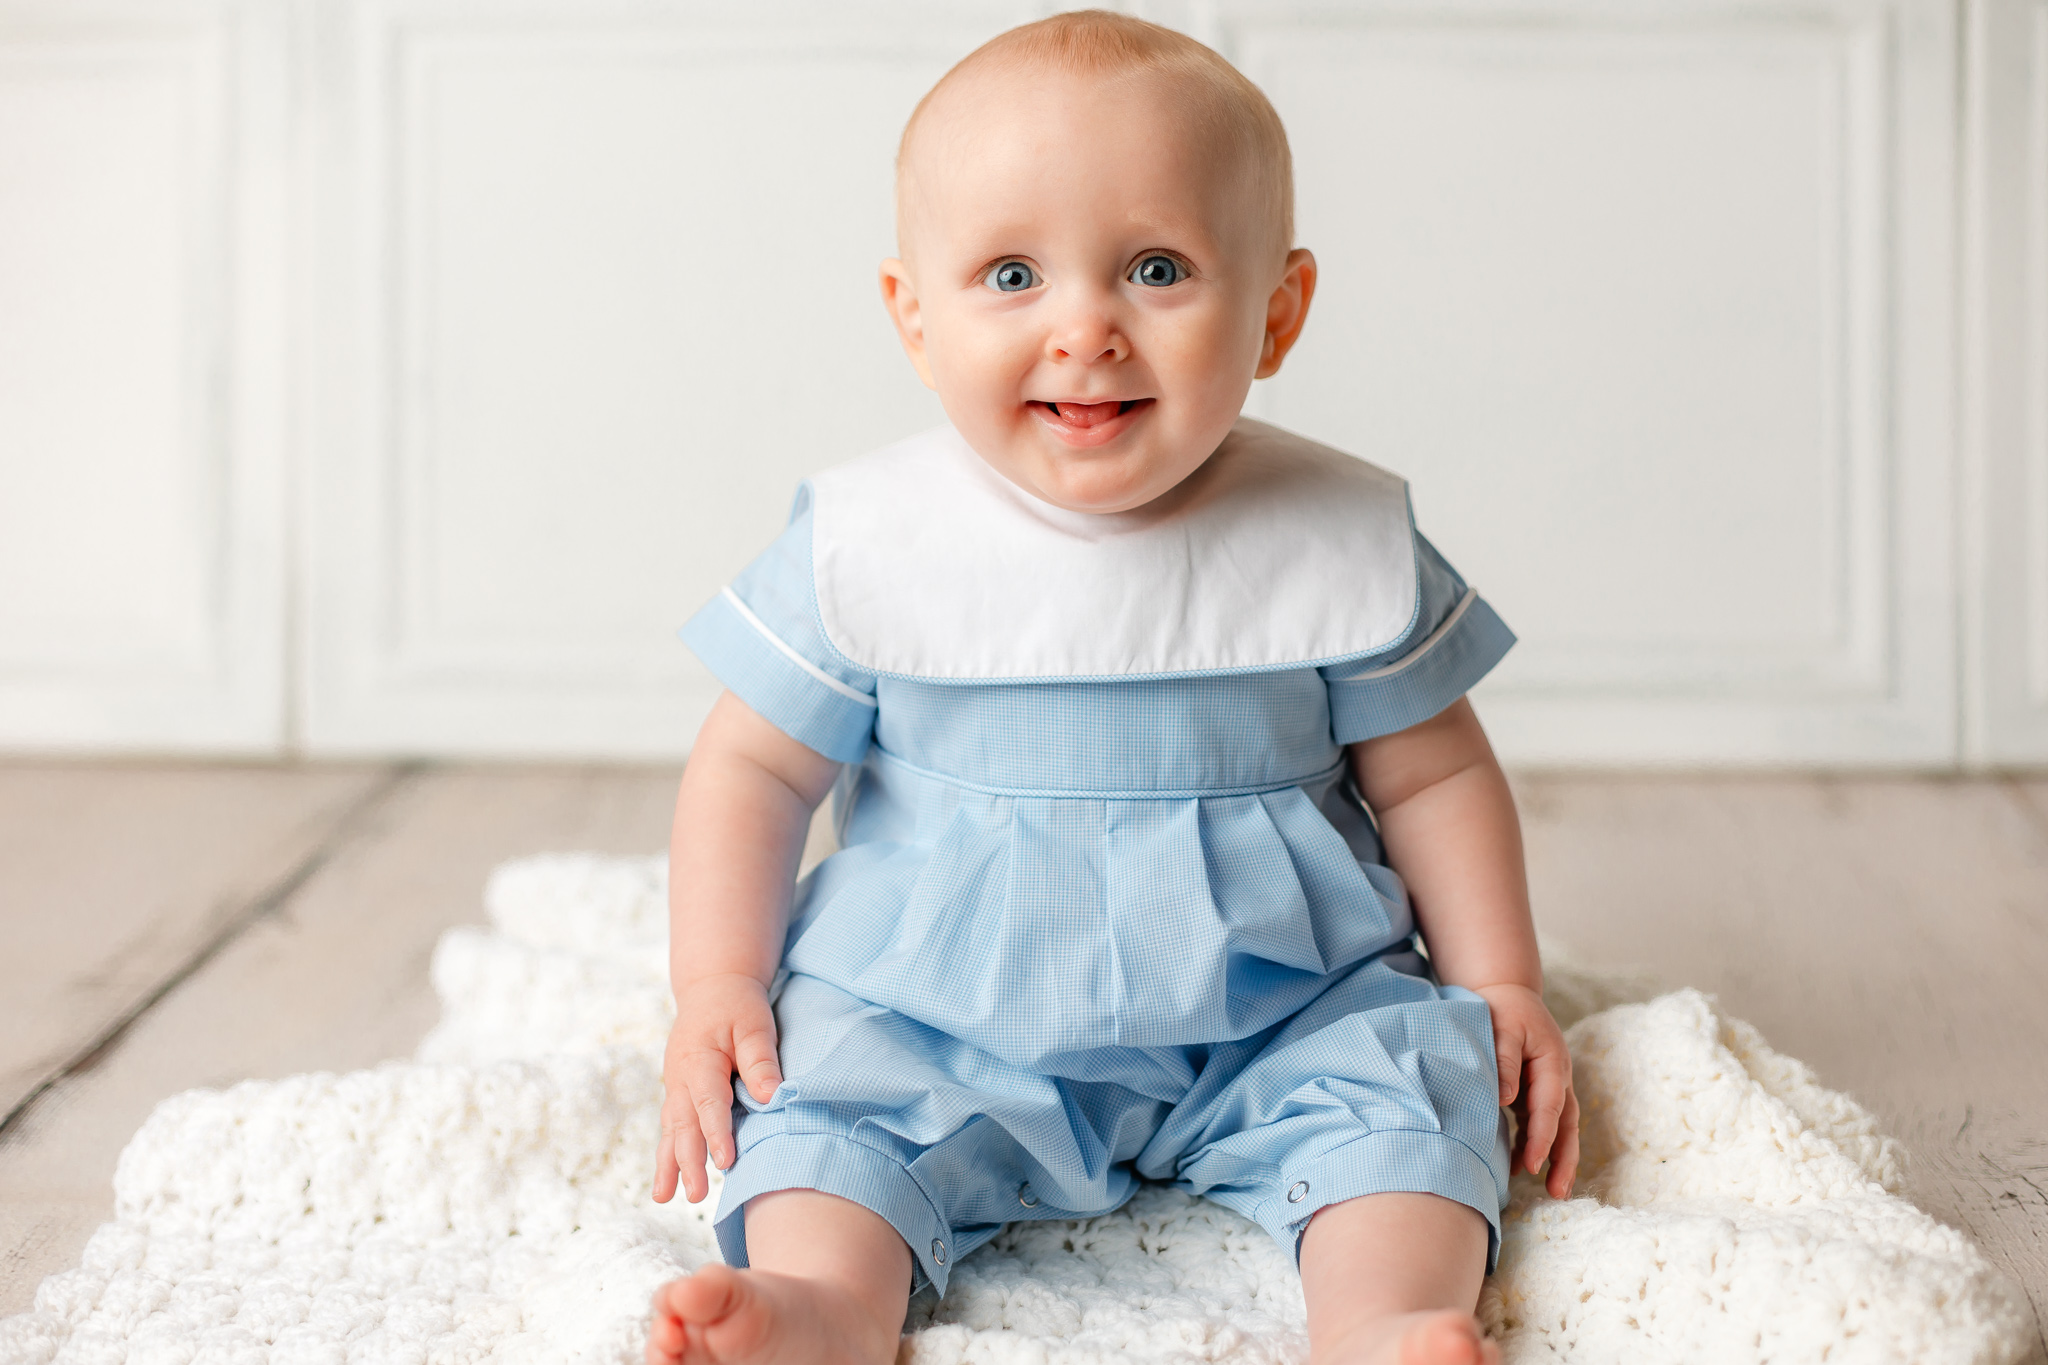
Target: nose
1087 330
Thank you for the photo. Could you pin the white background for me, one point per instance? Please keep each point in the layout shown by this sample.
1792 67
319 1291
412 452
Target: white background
393 376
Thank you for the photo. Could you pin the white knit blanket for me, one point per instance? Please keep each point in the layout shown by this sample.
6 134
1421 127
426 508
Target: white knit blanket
488 1200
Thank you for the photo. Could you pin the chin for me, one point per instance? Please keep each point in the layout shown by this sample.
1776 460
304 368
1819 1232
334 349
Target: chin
1092 494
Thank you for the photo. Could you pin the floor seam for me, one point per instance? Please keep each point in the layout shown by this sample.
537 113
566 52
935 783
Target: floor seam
2023 796
260 907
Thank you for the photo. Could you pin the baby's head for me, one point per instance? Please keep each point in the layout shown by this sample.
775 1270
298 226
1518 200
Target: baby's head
1095 216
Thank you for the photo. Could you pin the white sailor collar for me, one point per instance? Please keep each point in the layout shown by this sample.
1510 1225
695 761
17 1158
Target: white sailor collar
1277 553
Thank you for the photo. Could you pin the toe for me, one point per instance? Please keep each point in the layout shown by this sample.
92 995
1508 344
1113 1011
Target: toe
666 1301
711 1295
664 1340
743 1324
665 1337
1452 1339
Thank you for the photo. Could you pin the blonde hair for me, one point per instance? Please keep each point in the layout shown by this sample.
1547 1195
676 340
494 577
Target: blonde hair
1225 108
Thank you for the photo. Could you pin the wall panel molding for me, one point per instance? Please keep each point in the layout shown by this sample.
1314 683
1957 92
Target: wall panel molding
2005 384
2034 450
142 403
532 476
1803 531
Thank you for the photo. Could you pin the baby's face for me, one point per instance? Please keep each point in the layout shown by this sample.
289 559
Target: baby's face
1089 293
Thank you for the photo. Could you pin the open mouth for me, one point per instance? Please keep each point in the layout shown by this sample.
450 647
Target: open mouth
1089 423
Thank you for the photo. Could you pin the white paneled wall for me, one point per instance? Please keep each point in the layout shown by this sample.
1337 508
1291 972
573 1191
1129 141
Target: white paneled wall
142 376
395 375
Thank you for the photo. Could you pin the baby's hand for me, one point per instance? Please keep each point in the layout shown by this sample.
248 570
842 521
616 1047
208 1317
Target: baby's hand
723 1025
1524 1035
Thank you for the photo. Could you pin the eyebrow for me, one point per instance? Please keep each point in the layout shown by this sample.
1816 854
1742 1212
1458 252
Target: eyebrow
993 243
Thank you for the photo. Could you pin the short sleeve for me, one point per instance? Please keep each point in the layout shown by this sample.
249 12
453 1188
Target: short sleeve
1455 641
761 638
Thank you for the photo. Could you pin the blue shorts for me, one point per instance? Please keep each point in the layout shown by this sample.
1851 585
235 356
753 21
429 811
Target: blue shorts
1383 1082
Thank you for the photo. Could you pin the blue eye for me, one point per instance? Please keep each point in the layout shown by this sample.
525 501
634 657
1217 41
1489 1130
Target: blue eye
1010 277
1159 271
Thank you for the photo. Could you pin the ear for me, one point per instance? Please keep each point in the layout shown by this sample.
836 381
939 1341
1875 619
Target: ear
899 296
1286 310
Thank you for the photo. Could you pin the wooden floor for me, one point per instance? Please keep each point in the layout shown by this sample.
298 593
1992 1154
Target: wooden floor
170 926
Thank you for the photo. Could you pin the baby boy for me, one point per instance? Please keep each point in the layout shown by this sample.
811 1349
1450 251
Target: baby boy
1153 760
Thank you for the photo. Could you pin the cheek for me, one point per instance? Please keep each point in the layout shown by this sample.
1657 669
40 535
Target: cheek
1208 342
976 354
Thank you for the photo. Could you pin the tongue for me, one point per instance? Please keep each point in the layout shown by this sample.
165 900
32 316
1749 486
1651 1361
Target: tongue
1086 414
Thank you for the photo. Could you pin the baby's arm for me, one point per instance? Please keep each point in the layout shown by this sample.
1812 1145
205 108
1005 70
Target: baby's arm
746 801
1448 823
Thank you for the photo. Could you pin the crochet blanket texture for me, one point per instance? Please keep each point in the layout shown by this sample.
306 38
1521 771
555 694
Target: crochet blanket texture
487 1200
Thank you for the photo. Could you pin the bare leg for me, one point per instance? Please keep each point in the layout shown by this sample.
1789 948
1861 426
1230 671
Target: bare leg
827 1284
1393 1278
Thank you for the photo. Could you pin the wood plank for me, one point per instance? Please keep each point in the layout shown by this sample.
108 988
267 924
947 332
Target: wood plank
334 980
1894 934
113 875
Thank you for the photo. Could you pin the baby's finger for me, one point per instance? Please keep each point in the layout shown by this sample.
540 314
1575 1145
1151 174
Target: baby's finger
686 1149
675 1113
709 1077
754 1055
1564 1157
1507 1059
1548 1087
667 1173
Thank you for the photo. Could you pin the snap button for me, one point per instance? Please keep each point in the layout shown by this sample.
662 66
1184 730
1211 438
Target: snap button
1027 1196
939 1250
1297 1192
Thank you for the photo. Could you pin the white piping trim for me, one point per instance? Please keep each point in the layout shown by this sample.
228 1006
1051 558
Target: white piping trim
1373 674
799 660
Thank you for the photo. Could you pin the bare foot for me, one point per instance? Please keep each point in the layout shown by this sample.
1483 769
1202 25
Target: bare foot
722 1316
1441 1336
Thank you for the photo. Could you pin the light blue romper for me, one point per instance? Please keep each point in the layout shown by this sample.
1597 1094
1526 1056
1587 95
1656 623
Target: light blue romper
1084 933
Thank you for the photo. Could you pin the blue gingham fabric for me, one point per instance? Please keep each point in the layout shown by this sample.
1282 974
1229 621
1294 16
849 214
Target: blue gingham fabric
1085 933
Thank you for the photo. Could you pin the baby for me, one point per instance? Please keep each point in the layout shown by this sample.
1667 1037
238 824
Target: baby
1133 707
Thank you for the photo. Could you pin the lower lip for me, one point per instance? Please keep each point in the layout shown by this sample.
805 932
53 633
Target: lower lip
1102 433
